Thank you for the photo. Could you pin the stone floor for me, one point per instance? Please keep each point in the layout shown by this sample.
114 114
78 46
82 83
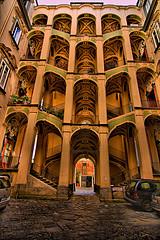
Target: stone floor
80 218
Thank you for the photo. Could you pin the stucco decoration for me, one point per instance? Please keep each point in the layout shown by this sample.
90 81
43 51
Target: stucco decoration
86 58
35 45
62 22
59 52
113 53
6 53
110 23
86 25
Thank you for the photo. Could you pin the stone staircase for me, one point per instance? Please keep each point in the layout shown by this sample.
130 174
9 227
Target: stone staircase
45 180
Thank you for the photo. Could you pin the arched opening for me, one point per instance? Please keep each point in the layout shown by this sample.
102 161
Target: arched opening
138 46
47 152
84 177
85 159
59 52
13 139
86 25
53 95
133 20
86 58
147 89
110 23
118 95
35 45
40 20
152 125
123 154
62 22
25 87
85 102
113 53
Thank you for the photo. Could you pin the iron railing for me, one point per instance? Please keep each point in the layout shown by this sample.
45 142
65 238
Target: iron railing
113 111
150 104
57 110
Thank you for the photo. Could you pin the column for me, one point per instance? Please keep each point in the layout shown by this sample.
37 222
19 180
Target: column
102 108
100 57
134 90
127 45
145 164
68 101
74 24
38 86
26 151
39 156
64 175
98 24
105 189
46 43
72 49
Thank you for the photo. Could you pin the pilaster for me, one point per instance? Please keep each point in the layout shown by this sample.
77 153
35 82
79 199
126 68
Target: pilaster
26 151
68 100
63 187
105 189
38 86
102 108
145 164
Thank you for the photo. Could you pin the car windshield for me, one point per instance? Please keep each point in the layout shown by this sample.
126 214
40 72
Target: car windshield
132 184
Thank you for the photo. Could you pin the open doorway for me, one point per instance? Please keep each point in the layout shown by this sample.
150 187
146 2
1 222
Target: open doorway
84 177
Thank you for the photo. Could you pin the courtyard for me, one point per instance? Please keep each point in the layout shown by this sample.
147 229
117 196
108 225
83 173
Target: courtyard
79 218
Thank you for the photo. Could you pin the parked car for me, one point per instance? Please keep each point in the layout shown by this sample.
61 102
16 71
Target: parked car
156 201
139 192
5 190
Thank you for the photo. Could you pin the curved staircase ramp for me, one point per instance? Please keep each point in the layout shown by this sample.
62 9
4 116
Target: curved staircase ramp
52 183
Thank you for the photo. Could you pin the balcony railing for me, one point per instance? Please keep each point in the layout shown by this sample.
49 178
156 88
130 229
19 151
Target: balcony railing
113 111
16 100
9 162
57 110
151 104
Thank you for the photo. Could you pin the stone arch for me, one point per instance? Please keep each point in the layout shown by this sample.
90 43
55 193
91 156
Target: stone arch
47 151
85 101
59 52
138 46
53 96
40 20
85 141
25 87
86 24
86 58
35 43
113 53
62 22
122 152
118 96
152 126
133 20
146 84
110 23
15 130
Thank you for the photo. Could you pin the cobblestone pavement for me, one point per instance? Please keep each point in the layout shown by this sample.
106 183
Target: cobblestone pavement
80 218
